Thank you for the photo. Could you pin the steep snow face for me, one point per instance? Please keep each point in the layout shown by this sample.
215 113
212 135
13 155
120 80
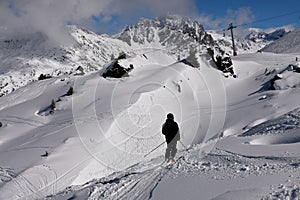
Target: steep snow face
290 43
23 60
177 34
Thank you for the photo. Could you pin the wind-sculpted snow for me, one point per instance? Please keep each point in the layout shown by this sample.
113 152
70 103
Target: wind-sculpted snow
280 125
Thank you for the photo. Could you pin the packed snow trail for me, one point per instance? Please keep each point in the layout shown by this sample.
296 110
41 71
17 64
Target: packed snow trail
136 182
216 175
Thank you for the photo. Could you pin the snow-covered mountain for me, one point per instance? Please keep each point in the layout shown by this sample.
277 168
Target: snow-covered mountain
289 43
257 35
175 33
24 59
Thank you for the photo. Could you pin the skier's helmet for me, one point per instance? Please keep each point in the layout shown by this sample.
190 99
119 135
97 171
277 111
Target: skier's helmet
170 116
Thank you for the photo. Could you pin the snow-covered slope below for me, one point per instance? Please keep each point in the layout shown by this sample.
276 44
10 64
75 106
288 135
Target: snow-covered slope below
96 138
290 43
106 126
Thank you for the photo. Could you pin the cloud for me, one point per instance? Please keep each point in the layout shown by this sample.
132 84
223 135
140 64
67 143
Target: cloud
237 17
153 7
51 16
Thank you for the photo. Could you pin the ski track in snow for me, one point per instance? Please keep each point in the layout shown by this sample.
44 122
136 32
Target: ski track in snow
135 183
6 174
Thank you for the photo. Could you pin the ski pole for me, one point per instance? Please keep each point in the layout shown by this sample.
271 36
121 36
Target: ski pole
183 144
154 149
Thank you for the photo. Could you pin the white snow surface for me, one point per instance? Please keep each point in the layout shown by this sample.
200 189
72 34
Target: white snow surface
243 138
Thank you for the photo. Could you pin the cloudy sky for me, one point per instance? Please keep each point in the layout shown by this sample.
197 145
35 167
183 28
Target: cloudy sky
110 16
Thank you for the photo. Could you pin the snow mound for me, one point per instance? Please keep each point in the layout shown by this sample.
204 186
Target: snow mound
289 137
288 121
289 78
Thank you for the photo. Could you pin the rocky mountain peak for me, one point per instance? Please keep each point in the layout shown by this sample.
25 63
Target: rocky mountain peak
169 30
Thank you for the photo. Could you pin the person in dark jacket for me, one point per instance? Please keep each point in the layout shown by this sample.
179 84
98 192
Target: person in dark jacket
171 131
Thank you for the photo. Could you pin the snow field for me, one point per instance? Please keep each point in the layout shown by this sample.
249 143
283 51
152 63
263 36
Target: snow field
97 138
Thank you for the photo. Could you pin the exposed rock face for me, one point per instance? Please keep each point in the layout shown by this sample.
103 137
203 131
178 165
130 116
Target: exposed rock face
176 33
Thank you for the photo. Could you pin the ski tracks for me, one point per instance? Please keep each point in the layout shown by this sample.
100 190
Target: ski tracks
133 185
31 184
129 184
6 174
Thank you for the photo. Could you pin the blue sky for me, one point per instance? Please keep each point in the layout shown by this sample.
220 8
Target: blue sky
261 9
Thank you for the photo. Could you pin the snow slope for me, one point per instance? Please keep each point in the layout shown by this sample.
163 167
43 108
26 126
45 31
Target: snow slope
97 138
106 126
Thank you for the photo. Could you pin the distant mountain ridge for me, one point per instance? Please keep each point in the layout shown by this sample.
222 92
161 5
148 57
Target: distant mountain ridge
251 40
289 43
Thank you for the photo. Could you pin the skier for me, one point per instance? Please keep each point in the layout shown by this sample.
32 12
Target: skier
171 131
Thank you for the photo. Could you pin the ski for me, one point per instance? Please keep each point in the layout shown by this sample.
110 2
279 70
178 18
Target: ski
170 164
